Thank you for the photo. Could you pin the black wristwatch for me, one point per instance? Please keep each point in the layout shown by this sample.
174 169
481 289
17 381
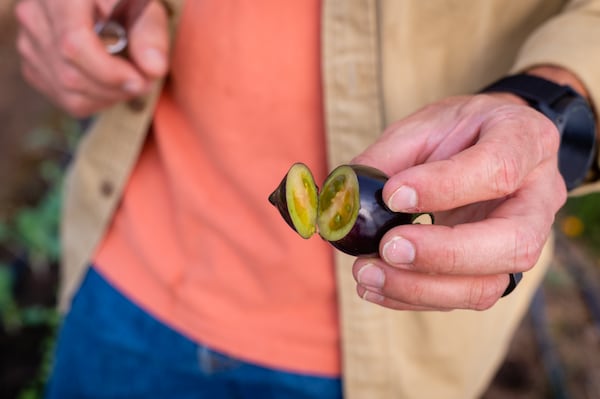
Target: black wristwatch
571 114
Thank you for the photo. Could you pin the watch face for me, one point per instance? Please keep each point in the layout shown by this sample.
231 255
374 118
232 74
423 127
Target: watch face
577 126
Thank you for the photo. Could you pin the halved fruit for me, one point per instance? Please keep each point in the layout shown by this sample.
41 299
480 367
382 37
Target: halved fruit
373 218
296 199
349 212
339 203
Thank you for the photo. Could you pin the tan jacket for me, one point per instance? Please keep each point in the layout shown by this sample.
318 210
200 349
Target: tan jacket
381 61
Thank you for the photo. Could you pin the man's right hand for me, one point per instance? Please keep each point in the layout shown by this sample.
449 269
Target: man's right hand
63 57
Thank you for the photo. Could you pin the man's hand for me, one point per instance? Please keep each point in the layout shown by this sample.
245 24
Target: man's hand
486 166
63 57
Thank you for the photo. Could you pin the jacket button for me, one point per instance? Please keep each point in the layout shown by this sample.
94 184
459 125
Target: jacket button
137 104
106 188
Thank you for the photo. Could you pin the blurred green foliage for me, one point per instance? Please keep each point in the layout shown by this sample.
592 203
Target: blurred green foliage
35 229
586 210
29 235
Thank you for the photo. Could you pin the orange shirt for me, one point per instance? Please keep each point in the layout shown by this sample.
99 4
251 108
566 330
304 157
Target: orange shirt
195 241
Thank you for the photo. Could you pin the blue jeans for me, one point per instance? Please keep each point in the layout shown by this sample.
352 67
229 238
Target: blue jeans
110 348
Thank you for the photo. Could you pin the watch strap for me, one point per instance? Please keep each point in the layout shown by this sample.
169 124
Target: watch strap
533 89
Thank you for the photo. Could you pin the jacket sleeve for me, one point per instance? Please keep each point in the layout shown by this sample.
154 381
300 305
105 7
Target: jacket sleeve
570 40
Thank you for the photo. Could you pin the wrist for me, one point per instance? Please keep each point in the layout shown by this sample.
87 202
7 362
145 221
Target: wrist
560 76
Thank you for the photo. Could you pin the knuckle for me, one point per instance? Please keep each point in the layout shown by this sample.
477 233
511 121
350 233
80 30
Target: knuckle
528 248
506 173
483 293
452 188
561 191
414 294
69 45
110 80
548 136
69 79
450 259
477 103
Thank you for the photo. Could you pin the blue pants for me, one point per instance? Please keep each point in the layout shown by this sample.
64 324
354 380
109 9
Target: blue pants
110 348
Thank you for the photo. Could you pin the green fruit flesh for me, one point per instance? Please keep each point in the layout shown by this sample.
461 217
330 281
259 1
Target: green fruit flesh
339 203
301 197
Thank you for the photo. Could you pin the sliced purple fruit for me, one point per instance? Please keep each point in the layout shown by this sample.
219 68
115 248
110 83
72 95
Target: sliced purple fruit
339 203
296 199
356 220
349 212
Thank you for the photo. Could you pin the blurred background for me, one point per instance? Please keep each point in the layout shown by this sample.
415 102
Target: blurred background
555 353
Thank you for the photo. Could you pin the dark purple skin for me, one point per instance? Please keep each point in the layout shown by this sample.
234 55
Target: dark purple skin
374 217
277 199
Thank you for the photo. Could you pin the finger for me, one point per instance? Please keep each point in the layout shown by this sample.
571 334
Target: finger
149 41
493 246
33 22
401 288
34 44
379 299
398 148
82 105
36 73
104 6
75 87
509 240
507 150
76 104
85 51
32 77
66 16
418 138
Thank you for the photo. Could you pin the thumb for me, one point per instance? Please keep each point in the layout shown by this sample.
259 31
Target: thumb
149 41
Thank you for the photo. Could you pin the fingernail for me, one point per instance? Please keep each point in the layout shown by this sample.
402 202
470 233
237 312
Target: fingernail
373 297
403 199
155 60
133 86
371 276
398 251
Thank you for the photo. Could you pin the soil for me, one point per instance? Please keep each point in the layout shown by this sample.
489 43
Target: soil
555 352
